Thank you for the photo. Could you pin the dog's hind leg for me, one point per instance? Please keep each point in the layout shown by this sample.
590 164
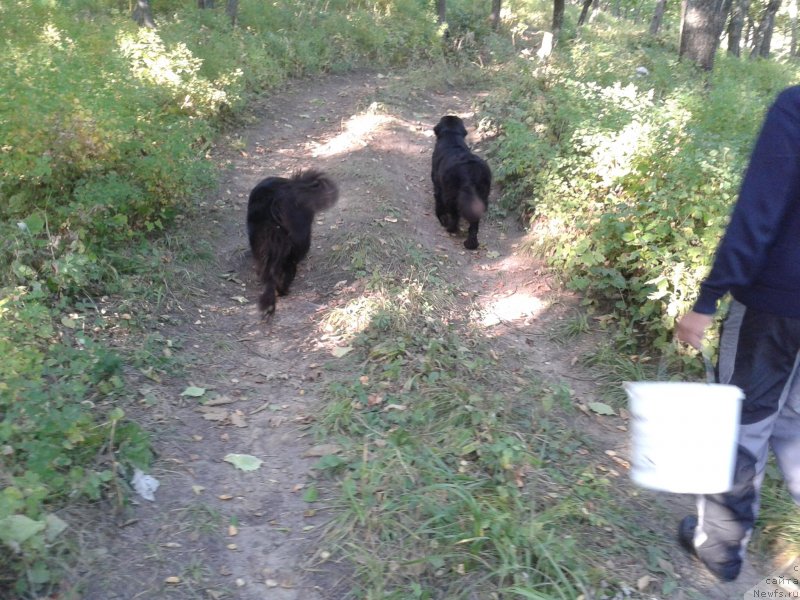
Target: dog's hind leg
472 208
286 278
441 208
266 302
471 243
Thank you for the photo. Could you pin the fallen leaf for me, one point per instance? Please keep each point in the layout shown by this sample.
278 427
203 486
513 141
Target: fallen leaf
219 401
601 408
18 528
245 462
395 407
340 351
493 254
323 450
214 414
666 566
55 526
238 419
193 391
311 495
172 580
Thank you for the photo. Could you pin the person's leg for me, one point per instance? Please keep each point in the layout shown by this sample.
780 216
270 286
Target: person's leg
786 435
758 354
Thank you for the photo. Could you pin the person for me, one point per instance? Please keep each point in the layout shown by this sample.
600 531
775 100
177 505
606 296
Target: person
758 262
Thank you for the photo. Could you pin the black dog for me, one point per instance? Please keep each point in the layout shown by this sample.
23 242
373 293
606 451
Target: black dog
280 213
461 180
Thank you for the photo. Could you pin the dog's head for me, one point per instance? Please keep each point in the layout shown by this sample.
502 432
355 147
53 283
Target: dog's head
450 124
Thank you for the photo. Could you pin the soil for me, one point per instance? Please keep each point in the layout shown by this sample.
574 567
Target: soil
215 531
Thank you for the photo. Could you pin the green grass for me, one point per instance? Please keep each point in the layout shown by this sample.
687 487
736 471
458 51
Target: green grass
458 476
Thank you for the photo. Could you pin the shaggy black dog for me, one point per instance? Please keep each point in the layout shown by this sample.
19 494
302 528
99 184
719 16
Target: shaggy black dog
461 180
280 213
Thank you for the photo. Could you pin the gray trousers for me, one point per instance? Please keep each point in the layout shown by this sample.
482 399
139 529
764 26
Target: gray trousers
759 353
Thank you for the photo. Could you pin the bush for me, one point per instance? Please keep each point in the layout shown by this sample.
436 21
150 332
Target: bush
627 180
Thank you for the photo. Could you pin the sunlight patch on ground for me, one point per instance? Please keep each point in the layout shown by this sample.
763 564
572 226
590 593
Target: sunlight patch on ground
517 306
353 317
356 135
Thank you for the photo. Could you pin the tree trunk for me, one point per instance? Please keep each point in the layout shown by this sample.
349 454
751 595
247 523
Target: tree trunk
700 31
584 11
793 27
739 10
205 4
232 10
441 10
497 5
763 36
143 14
658 16
558 19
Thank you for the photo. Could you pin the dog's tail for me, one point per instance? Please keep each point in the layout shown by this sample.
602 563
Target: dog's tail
314 190
470 204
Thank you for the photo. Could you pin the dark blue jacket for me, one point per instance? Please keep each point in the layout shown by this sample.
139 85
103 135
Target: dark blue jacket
758 259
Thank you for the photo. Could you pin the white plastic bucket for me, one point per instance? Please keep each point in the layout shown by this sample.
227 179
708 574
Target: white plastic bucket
684 435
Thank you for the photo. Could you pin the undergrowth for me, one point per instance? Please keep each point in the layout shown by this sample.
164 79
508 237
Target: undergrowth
107 130
627 179
460 477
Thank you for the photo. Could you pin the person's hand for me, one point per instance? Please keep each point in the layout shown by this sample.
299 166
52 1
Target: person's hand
691 328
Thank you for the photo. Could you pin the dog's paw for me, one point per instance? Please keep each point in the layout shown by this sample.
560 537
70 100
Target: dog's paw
471 243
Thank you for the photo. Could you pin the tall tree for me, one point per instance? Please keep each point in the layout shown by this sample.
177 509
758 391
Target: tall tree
143 14
497 5
232 10
441 10
658 16
762 39
205 3
587 4
793 27
739 11
700 28
558 19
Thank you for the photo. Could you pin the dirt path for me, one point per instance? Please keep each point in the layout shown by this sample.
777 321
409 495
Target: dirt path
218 532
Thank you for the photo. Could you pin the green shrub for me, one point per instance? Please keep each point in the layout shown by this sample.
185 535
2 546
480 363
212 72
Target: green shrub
61 440
628 180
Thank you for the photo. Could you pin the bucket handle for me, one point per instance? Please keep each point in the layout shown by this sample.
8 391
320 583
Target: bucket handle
711 375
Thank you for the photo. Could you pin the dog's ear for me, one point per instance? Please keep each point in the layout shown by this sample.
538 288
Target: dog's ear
438 129
461 129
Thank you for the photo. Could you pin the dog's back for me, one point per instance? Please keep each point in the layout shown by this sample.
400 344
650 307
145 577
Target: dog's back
287 203
280 213
462 180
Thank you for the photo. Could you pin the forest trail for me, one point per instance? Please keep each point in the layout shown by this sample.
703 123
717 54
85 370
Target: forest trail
218 532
